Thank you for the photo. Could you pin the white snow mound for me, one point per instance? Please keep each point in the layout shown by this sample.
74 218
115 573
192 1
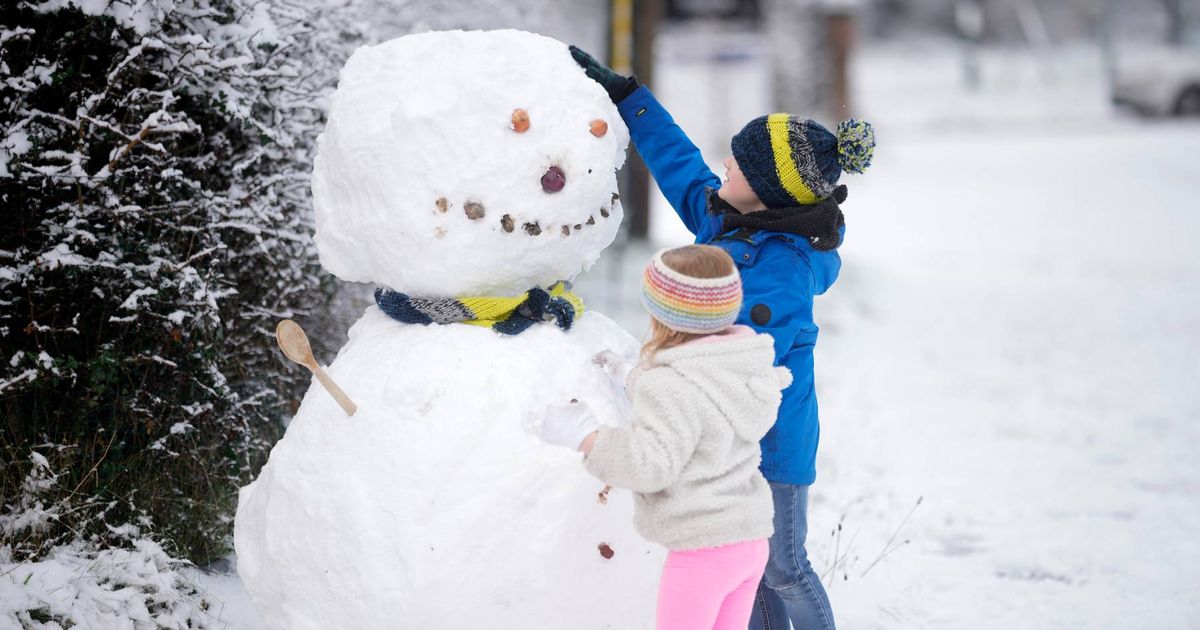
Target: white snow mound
433 506
423 185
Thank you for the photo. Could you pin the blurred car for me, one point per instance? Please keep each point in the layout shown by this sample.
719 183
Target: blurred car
1163 82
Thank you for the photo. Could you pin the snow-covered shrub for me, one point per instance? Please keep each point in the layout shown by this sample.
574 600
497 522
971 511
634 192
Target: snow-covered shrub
78 586
129 582
154 161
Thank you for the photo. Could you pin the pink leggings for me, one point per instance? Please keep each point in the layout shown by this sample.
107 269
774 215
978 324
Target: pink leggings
711 588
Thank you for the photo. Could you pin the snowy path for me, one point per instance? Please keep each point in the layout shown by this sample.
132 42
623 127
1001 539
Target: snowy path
1015 338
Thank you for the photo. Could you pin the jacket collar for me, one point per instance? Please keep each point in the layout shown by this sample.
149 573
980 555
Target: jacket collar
719 207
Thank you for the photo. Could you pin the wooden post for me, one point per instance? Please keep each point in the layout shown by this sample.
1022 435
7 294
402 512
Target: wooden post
645 25
620 44
840 28
631 51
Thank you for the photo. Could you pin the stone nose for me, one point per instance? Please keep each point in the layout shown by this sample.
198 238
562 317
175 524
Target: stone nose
554 179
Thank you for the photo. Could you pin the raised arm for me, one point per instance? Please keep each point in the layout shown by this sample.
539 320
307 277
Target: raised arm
673 159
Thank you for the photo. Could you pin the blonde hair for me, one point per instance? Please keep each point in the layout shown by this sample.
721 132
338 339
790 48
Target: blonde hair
697 261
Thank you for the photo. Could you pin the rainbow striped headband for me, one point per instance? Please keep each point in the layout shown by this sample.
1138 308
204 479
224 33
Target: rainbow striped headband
692 305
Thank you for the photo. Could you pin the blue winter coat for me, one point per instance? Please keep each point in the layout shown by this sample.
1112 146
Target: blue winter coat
781 274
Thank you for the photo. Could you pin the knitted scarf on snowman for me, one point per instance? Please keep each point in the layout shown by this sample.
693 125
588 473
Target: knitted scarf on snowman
505 315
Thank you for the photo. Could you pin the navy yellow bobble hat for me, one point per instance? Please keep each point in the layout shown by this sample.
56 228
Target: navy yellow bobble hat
792 161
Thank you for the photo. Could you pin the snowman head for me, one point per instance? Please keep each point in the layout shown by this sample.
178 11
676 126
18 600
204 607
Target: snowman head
466 163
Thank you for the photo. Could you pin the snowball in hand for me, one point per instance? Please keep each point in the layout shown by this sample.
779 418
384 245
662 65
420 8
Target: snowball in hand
450 148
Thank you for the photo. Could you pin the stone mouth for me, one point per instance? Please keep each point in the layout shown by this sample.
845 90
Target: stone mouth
475 212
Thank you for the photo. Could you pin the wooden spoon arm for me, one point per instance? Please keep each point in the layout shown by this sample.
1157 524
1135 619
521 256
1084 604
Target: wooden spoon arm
340 396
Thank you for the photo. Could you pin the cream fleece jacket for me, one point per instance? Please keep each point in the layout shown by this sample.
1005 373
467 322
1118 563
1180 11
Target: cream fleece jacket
691 451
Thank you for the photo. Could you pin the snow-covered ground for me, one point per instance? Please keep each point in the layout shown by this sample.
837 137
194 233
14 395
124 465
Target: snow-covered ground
1014 339
1013 343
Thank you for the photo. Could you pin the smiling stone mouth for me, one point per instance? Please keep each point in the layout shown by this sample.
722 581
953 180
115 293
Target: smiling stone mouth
475 211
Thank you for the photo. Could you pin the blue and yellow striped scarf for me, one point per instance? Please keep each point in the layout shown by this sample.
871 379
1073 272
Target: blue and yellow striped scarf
503 314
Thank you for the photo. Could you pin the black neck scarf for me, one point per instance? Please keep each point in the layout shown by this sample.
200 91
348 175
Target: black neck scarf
819 222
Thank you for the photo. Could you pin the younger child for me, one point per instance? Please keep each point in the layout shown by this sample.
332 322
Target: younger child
703 395
778 215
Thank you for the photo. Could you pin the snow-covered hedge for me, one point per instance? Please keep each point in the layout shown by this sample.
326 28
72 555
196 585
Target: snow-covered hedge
76 585
154 161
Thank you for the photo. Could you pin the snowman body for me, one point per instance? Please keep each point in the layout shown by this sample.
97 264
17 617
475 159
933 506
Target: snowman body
435 506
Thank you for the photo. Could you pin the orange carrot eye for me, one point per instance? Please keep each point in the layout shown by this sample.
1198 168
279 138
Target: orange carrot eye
520 120
599 127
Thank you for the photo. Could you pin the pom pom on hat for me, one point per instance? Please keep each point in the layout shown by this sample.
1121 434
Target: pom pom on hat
790 161
856 145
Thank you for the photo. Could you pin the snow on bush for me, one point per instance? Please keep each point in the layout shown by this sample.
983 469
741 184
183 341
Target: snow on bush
133 584
154 161
75 585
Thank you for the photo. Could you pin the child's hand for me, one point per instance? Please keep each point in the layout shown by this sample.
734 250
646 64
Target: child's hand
613 364
567 425
617 86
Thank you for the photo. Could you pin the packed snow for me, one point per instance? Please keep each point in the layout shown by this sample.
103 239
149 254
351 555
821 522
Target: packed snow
436 150
436 496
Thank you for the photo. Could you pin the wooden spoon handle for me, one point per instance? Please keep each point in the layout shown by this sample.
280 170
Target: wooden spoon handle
340 396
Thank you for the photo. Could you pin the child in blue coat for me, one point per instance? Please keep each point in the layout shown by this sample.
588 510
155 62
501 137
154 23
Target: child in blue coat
777 215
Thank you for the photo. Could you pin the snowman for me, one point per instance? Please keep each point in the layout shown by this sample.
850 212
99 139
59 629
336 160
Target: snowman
469 176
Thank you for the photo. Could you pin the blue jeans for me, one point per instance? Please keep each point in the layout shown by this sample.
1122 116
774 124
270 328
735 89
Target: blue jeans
790 593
